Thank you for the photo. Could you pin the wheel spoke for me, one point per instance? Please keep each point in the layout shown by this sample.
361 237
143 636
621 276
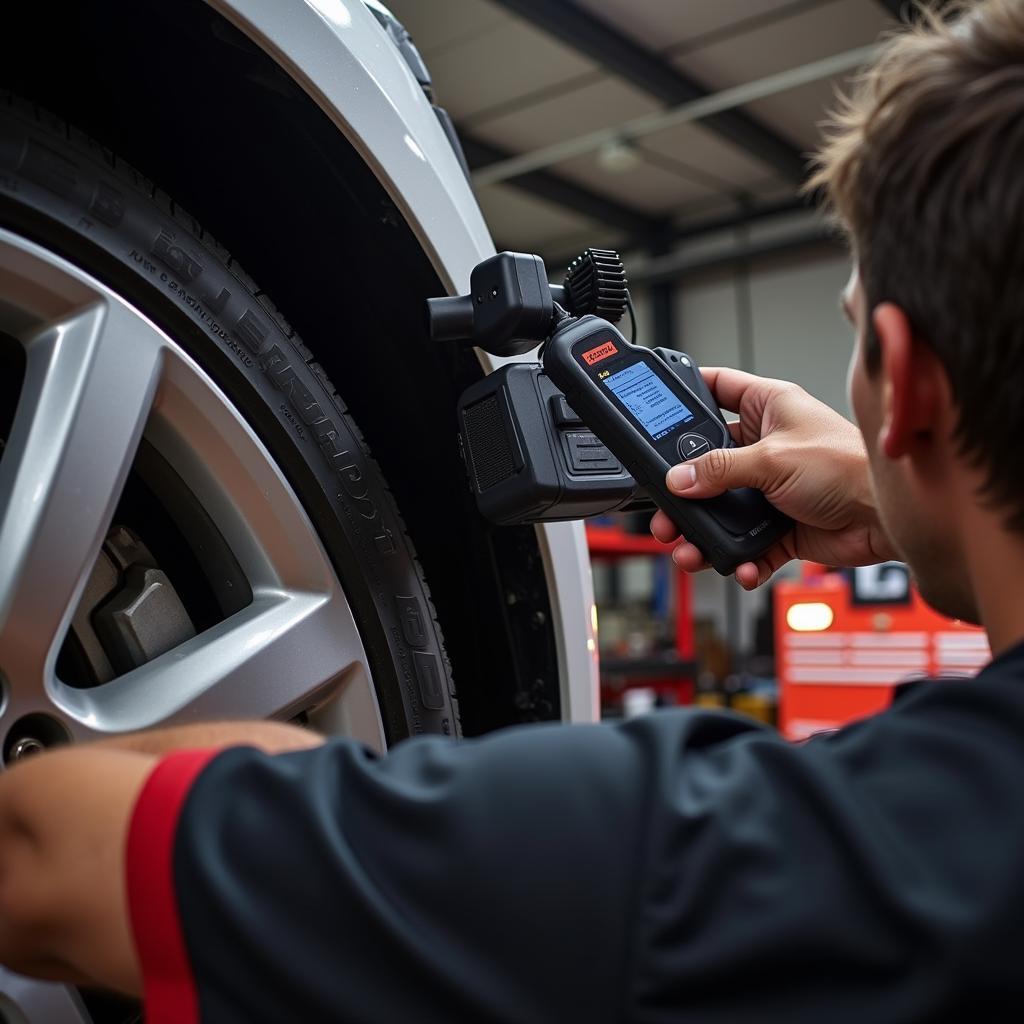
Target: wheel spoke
277 656
89 385
352 711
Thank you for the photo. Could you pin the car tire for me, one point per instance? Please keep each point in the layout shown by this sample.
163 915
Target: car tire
68 193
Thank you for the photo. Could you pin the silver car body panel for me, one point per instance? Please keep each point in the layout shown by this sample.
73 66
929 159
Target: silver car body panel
337 52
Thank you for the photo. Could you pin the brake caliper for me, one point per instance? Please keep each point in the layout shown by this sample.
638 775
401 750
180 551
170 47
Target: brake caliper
130 612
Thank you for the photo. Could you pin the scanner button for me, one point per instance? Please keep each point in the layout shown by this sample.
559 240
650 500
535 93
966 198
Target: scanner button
692 445
588 454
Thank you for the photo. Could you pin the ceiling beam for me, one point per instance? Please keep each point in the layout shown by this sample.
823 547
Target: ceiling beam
583 31
752 214
562 192
693 230
679 265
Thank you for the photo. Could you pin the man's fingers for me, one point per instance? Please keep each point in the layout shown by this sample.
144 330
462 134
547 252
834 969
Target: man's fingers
756 574
685 556
748 575
720 470
751 575
688 558
729 386
663 528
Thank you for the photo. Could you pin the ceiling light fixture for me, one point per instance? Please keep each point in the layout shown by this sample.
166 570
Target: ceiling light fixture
617 156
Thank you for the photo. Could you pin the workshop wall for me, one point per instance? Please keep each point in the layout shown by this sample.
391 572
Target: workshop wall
797 330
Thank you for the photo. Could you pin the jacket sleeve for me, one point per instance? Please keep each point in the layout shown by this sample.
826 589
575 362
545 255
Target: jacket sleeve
682 866
484 880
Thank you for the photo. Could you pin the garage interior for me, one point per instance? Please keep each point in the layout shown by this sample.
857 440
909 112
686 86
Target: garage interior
680 136
257 422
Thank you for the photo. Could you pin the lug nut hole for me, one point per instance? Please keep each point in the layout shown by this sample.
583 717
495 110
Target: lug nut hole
32 734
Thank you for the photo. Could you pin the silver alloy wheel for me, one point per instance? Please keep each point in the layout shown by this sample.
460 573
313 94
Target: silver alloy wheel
98 377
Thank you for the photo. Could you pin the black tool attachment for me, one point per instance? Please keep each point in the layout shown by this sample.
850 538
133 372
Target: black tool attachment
508 309
596 425
596 283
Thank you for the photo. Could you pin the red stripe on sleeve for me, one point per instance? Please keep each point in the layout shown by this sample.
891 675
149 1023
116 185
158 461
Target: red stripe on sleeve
168 986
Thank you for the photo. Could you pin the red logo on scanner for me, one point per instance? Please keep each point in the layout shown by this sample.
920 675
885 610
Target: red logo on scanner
595 355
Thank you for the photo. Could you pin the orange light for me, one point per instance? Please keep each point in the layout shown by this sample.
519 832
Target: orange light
809 617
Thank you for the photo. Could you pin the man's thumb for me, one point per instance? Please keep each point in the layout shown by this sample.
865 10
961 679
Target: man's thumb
721 469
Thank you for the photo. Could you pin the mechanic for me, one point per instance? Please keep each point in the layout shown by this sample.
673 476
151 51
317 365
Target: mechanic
686 865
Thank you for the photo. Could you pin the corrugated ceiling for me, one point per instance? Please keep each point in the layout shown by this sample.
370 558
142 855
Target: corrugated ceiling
519 86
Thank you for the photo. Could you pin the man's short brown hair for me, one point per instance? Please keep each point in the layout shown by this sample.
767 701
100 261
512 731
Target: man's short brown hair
924 164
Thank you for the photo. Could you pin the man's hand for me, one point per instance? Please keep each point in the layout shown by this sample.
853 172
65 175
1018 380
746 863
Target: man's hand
809 462
64 818
63 827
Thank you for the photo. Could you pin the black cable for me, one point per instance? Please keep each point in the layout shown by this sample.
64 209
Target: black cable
632 319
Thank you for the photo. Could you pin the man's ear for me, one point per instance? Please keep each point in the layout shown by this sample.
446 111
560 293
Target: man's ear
914 383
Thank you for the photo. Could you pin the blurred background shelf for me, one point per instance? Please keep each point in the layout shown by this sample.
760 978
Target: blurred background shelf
611 541
645 620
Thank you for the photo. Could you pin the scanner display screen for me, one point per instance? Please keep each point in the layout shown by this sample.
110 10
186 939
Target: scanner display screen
648 398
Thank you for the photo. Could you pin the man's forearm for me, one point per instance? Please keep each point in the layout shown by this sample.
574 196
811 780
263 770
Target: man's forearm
270 737
64 819
63 825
